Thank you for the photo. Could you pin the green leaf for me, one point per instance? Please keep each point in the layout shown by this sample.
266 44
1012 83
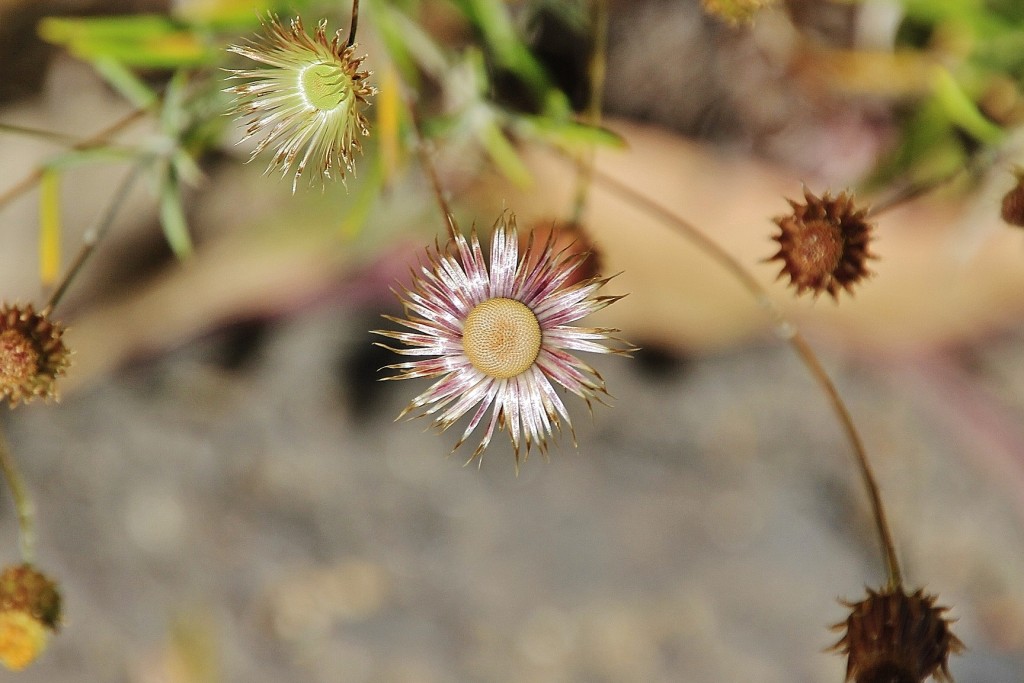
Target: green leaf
234 15
568 135
928 149
492 18
93 155
125 82
147 41
503 154
574 13
961 110
172 217
409 46
173 116
1004 52
131 28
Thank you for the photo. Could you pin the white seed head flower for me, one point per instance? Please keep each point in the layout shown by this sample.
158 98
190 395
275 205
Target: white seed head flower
308 103
498 336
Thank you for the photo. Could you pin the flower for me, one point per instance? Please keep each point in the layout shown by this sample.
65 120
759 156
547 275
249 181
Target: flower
892 637
310 98
32 355
30 609
499 336
823 244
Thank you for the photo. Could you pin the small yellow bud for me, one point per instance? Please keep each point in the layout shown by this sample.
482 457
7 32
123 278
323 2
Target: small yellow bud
22 639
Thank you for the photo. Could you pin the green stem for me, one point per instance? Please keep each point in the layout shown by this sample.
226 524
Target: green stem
976 164
22 502
99 138
911 192
40 133
597 69
93 237
427 161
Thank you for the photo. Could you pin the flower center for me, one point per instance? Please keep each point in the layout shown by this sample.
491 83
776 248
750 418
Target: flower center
819 249
324 86
19 360
501 337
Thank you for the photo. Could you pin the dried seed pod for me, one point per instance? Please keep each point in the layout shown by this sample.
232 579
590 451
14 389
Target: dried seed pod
30 609
823 244
568 238
32 354
1013 201
892 637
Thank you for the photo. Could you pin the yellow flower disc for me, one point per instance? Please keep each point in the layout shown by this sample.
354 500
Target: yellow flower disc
323 85
22 638
501 337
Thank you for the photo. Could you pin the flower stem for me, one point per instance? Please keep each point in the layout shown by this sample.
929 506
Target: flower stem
25 184
353 25
975 165
596 69
40 134
22 502
788 331
93 237
425 152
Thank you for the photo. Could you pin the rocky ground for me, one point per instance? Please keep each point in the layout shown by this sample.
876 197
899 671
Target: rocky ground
224 516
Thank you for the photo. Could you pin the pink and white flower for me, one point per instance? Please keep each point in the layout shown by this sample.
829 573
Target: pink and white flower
499 336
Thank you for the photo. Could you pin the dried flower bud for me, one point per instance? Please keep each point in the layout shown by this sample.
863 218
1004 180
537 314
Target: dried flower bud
892 637
32 354
30 609
823 244
1013 202
309 101
735 11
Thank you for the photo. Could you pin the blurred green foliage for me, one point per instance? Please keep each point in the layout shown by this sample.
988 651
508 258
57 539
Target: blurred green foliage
173 65
978 50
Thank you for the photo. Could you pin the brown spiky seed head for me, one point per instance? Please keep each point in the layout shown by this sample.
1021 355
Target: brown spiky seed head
824 244
32 354
30 609
893 637
1013 201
